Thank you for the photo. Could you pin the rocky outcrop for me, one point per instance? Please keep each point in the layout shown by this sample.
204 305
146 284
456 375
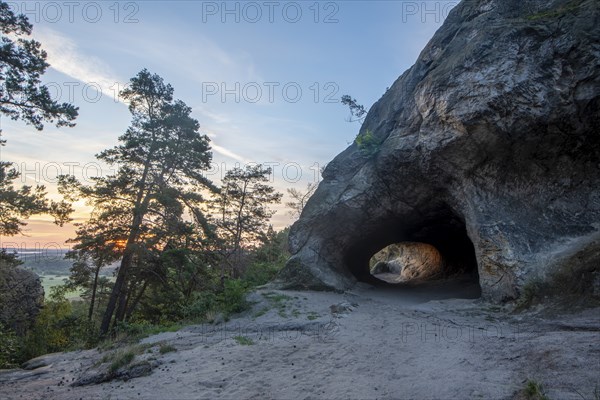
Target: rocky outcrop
487 148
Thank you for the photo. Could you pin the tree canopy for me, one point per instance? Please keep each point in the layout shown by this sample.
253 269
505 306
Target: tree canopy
22 63
160 163
23 97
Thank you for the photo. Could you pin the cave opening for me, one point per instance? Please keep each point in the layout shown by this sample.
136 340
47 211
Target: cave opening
434 247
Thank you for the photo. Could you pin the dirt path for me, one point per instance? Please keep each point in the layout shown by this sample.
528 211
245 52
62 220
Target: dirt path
367 344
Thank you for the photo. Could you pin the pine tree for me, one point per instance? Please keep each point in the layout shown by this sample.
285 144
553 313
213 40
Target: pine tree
160 162
23 97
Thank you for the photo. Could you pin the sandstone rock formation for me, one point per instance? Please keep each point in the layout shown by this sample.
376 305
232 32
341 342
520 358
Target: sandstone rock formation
408 260
487 148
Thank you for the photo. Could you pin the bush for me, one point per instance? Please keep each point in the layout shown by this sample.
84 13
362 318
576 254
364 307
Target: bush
367 143
56 329
10 347
534 391
166 348
200 306
260 273
233 297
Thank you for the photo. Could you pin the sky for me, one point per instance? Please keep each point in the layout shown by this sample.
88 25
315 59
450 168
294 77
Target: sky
263 78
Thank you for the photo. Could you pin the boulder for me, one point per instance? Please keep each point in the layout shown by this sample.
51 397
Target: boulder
488 148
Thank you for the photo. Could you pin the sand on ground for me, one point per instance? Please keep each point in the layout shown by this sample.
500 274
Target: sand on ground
430 341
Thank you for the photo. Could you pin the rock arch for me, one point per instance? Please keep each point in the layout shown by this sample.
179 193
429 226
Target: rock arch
484 142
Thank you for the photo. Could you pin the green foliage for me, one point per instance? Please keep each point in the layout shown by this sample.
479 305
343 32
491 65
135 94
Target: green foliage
23 97
203 303
278 301
166 348
268 259
260 312
233 298
186 290
243 340
261 273
357 111
21 203
121 360
240 213
367 143
10 348
123 357
22 63
141 209
182 281
312 316
134 331
59 326
534 391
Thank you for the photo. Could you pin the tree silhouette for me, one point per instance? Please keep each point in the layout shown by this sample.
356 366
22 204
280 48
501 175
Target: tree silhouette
23 97
160 162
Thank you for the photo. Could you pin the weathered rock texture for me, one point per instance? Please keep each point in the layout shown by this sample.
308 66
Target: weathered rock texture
487 148
408 261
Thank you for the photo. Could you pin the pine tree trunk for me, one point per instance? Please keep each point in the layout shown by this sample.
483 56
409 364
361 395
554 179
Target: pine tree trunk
94 290
118 295
115 295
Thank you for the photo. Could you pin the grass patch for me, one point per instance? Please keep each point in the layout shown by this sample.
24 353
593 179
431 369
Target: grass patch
51 281
534 391
166 348
312 316
261 312
121 360
276 297
122 357
131 332
278 300
243 340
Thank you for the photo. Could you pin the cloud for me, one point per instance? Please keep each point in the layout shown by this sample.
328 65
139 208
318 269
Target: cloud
228 153
64 56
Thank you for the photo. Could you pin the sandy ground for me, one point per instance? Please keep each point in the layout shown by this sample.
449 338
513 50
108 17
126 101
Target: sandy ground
433 341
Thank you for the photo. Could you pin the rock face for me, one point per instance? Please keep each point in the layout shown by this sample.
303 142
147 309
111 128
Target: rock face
487 148
408 260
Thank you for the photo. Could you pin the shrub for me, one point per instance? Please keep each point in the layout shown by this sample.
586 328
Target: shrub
534 391
166 348
367 143
233 298
260 273
121 360
56 328
203 303
243 340
10 346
